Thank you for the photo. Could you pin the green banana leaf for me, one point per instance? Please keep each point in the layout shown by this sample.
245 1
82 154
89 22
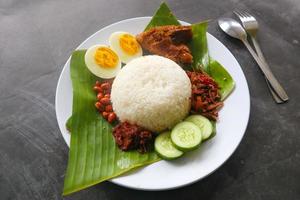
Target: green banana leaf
94 156
198 46
162 17
222 77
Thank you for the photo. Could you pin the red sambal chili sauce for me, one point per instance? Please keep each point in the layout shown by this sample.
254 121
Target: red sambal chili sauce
206 98
130 137
103 103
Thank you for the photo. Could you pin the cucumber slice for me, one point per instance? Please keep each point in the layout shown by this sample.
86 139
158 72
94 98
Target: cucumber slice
186 136
203 123
164 147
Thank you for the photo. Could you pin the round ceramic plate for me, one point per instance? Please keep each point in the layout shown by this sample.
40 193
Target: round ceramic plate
192 166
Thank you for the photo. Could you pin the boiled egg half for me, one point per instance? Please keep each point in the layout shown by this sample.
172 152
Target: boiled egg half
125 45
102 61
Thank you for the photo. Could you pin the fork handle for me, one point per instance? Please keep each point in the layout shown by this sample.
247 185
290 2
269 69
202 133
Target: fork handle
273 93
262 58
258 50
267 72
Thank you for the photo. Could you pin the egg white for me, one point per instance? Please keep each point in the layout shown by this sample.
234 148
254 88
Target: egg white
114 43
96 69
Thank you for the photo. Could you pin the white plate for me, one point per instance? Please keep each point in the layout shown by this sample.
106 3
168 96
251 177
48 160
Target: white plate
195 165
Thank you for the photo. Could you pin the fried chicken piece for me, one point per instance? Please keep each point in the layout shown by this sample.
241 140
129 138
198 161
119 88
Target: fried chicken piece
168 41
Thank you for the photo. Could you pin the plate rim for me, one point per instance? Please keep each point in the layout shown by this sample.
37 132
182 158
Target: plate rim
166 188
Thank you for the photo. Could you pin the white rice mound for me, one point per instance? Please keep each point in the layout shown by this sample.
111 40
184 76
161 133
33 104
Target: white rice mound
153 92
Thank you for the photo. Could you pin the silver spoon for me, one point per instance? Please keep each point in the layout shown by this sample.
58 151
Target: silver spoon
234 29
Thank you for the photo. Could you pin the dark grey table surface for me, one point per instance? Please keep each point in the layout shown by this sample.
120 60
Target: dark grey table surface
36 39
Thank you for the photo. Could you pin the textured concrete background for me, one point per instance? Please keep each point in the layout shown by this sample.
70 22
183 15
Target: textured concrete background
37 37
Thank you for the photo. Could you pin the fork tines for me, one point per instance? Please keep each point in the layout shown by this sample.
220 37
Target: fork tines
242 13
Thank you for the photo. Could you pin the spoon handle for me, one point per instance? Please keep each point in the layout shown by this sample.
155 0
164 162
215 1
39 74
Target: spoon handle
262 58
268 74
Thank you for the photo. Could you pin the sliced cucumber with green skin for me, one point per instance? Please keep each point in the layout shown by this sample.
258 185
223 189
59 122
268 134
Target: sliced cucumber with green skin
203 123
186 136
164 147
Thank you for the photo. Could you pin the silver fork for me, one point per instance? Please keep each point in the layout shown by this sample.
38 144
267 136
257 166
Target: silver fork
251 26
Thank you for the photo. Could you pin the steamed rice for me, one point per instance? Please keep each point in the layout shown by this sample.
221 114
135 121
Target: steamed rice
153 92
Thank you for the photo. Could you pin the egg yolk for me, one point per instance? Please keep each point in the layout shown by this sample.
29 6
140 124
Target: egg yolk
106 58
129 44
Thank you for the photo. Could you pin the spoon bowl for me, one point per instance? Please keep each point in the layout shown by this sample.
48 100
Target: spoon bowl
232 28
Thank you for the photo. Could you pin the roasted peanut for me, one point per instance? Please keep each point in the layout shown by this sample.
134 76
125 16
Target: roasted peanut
100 95
108 108
97 89
105 86
105 101
98 105
111 117
105 115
